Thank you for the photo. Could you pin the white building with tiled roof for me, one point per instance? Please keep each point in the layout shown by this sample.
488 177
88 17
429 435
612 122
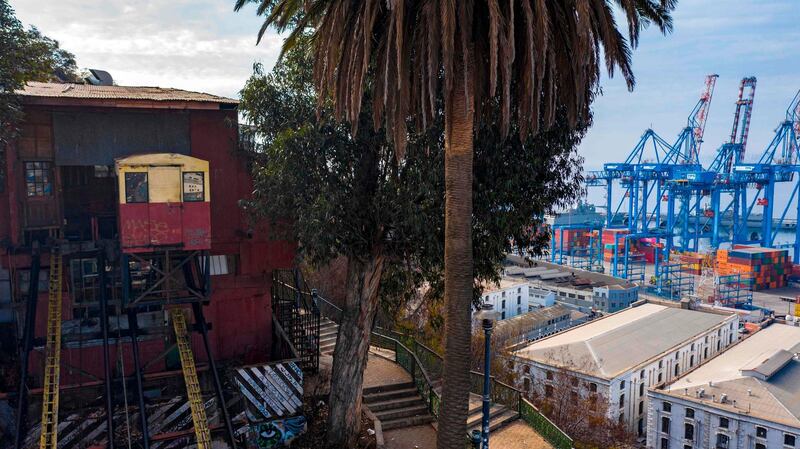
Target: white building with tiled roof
746 398
620 356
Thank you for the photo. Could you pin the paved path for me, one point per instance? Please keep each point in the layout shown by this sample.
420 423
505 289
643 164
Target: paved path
516 435
381 371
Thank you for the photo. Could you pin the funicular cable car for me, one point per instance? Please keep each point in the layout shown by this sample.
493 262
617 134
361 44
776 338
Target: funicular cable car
165 238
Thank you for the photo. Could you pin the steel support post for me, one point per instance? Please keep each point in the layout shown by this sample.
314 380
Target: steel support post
200 320
101 267
133 324
27 345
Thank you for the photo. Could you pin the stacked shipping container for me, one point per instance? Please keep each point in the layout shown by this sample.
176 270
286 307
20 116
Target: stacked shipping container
760 268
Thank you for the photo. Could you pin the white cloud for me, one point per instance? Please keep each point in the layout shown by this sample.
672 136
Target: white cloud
191 44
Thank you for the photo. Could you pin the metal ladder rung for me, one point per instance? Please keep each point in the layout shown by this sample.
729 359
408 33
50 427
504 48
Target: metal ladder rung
193 392
50 396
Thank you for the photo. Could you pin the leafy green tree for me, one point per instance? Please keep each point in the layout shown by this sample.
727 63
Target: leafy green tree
25 55
340 194
521 60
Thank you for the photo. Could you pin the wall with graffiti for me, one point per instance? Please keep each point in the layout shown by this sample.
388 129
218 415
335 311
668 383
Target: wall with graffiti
276 434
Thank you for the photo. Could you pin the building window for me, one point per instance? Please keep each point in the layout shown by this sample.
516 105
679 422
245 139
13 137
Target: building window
622 400
690 413
666 406
593 387
504 304
761 432
722 441
548 391
660 364
788 440
677 369
526 384
504 294
641 389
526 369
691 361
659 377
38 181
723 423
705 353
687 446
665 443
503 316
136 187
574 381
549 375
641 407
622 385
761 446
677 355
519 300
718 343
665 422
688 431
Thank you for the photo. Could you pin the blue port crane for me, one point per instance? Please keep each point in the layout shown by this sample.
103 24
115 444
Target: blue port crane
777 164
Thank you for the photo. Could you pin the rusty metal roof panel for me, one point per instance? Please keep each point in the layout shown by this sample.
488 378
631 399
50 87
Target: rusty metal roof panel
88 91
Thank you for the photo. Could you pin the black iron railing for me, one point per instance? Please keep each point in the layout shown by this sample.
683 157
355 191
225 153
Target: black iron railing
326 308
294 308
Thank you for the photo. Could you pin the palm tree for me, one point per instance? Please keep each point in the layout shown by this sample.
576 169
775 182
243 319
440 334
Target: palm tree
523 58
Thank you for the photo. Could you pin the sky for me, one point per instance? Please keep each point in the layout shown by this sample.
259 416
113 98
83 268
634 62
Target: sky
203 45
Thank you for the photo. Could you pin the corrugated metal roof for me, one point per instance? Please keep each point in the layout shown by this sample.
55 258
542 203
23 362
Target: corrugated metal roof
776 398
88 91
621 341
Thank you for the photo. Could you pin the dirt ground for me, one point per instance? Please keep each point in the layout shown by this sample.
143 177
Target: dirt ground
516 435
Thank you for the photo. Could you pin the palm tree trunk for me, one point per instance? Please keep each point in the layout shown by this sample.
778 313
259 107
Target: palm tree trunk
352 348
458 275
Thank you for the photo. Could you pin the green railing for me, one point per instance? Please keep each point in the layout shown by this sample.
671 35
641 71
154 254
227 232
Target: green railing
549 431
409 361
422 361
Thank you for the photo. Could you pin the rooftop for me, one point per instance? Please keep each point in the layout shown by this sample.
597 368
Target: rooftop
621 341
505 283
758 376
92 92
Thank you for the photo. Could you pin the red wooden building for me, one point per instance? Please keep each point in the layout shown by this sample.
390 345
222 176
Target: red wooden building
59 187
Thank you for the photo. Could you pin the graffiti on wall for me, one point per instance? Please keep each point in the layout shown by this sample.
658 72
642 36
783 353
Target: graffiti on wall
278 433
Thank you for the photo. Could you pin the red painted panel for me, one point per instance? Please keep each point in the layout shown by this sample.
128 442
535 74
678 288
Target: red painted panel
134 225
165 223
197 225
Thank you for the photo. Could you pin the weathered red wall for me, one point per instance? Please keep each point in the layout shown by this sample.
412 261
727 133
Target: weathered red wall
239 310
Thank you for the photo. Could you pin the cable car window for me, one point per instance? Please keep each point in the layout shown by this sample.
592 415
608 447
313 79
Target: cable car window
136 187
193 186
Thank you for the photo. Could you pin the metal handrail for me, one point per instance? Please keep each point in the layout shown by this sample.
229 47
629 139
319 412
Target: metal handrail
429 394
326 308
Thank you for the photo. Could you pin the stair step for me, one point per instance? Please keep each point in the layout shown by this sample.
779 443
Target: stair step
325 332
373 398
327 338
400 423
414 410
375 391
395 403
474 418
497 422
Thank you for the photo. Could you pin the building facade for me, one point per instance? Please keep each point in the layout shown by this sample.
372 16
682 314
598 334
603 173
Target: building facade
746 398
510 298
613 298
620 356
539 323
539 297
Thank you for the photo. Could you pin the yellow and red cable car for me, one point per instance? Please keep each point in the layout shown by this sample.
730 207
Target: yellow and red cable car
164 202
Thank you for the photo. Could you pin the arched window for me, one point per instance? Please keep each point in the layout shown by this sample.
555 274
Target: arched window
677 369
688 431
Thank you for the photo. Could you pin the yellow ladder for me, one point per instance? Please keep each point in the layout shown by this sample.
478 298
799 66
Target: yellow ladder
49 436
201 431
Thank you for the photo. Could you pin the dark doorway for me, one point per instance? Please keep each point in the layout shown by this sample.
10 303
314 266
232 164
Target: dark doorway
90 202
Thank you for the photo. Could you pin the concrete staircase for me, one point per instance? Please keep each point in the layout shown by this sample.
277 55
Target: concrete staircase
397 405
328 331
499 415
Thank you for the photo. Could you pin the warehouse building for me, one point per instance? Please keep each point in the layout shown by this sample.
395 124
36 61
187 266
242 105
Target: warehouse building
746 398
536 324
620 356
